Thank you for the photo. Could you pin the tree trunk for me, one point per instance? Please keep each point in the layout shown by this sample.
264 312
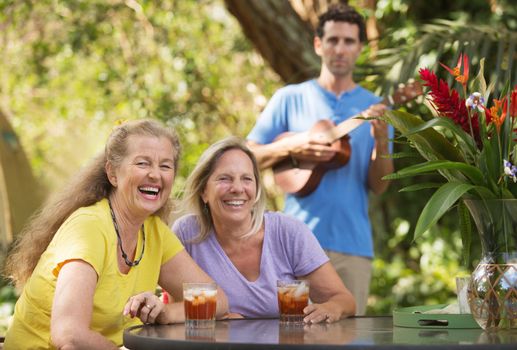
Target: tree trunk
280 36
6 230
20 194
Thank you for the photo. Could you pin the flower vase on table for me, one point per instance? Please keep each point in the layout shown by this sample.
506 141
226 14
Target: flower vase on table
470 142
492 292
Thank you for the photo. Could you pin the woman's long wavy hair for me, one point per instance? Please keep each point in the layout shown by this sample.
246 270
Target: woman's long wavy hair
85 189
196 184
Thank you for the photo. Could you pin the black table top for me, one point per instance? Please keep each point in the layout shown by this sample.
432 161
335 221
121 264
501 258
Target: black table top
351 333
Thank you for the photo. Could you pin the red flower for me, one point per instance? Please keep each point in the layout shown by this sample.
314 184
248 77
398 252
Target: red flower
448 103
513 103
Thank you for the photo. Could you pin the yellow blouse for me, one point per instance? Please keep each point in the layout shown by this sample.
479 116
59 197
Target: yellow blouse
88 234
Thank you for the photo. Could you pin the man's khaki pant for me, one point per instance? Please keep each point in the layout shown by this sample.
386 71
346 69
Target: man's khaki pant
355 272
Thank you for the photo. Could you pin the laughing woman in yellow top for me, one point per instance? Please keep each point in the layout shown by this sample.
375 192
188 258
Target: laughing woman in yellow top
90 261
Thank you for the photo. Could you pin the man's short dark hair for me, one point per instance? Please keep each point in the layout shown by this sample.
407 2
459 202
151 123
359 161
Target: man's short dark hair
342 13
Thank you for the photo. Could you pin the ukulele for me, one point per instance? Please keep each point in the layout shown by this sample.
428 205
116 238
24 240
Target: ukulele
302 177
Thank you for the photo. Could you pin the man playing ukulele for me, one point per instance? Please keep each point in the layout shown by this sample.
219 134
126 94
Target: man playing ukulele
337 209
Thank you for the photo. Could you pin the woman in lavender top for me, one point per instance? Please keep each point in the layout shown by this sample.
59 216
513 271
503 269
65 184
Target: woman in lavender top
246 249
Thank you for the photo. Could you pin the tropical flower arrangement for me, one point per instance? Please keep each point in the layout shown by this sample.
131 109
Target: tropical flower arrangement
470 141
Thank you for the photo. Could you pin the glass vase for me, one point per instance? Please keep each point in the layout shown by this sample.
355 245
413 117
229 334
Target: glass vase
492 292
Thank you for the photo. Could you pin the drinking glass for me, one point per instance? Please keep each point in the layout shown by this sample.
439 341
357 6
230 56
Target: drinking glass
201 334
293 297
200 300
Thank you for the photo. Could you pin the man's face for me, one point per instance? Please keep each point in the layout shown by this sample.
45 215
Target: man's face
339 48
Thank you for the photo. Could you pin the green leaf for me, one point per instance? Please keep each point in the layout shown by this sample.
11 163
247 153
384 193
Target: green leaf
464 138
430 143
490 161
473 173
485 193
394 176
420 186
439 203
479 82
400 155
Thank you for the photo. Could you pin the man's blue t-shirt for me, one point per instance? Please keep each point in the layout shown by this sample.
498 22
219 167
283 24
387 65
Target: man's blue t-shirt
337 211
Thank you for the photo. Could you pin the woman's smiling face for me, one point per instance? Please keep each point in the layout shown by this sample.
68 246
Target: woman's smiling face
231 189
145 176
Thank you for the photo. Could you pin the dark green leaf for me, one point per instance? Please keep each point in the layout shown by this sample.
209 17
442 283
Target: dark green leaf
400 155
430 143
465 139
470 171
439 203
420 186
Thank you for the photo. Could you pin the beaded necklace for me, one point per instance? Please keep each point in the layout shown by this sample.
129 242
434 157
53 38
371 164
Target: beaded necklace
124 255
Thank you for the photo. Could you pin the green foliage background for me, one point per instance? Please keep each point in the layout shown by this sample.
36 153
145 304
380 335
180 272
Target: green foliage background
71 68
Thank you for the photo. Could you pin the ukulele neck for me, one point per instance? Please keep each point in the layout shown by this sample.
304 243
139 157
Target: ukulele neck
345 127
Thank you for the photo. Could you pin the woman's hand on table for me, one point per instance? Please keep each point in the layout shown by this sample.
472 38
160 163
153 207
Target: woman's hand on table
146 306
316 313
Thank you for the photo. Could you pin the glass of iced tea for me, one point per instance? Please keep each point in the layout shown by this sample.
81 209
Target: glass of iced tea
201 334
293 297
200 300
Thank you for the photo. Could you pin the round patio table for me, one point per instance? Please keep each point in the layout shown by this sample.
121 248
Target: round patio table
351 333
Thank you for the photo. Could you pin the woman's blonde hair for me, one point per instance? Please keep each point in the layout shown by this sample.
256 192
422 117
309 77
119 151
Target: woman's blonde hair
196 184
89 186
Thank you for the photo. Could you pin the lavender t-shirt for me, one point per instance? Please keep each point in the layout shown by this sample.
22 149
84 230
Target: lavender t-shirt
289 250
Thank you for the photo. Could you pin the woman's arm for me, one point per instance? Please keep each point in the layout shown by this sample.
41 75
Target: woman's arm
182 268
72 309
331 300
